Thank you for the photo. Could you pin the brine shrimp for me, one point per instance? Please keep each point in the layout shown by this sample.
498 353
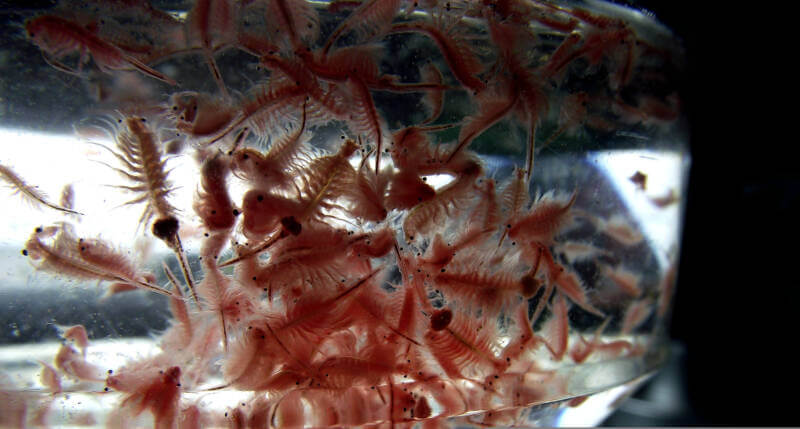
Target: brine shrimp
28 192
58 37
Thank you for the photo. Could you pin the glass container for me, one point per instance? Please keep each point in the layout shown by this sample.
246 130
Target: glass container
294 213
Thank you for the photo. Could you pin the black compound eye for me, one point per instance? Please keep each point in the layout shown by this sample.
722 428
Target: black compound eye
165 228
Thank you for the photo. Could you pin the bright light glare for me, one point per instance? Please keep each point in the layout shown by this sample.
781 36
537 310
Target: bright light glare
660 225
49 162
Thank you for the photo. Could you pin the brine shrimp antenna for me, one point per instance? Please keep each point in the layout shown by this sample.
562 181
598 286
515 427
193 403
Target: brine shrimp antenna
173 281
213 389
433 128
28 192
357 285
277 235
145 285
240 137
184 263
366 155
553 137
176 285
529 158
58 65
212 65
286 350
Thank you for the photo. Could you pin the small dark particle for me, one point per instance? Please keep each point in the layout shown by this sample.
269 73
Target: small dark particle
24 252
39 229
639 179
260 198
235 212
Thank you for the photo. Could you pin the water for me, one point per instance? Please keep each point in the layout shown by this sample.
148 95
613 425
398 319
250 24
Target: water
476 279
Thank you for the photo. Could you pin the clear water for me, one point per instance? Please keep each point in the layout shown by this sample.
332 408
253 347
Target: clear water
624 161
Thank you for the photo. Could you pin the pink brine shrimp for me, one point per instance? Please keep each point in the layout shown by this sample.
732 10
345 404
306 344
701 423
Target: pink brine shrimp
348 260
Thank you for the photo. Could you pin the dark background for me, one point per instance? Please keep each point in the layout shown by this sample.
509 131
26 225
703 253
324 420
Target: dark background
736 303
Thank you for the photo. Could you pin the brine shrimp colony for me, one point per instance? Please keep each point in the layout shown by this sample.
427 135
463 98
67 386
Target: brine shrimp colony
378 230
